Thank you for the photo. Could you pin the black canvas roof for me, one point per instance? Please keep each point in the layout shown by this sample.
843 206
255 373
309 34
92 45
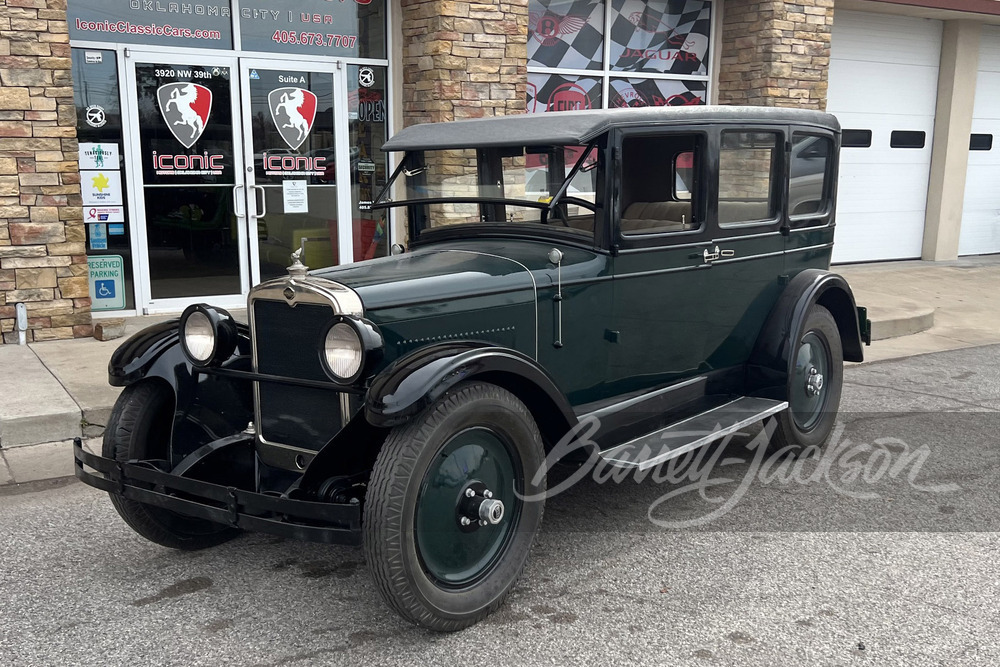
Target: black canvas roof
580 127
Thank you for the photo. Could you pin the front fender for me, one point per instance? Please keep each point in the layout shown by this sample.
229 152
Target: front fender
413 382
207 406
133 359
771 360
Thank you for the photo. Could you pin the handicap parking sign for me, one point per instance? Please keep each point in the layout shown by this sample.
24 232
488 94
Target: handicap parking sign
104 289
107 282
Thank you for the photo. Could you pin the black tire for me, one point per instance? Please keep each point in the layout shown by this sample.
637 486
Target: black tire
139 428
408 473
799 428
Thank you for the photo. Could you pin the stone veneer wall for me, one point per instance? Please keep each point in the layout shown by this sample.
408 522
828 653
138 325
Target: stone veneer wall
463 59
43 259
775 53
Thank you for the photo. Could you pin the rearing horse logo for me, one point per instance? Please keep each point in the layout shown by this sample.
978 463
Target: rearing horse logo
293 111
185 108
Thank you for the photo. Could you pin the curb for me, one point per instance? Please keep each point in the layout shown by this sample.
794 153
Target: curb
898 322
34 463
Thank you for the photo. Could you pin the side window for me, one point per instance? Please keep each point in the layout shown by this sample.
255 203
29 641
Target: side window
747 175
808 175
683 175
659 184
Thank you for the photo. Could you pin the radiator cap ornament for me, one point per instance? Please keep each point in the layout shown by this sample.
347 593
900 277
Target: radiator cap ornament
297 269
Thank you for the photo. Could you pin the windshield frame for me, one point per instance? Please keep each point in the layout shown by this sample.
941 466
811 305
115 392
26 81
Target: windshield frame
412 165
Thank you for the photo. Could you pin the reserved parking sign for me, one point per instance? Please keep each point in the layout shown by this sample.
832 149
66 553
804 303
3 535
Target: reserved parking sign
107 282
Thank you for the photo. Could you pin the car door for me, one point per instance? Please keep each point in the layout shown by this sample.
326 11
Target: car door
747 244
658 325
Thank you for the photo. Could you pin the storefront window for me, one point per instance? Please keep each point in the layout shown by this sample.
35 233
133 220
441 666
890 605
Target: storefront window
291 113
368 118
188 170
556 92
656 93
664 43
668 36
567 34
102 176
316 27
201 24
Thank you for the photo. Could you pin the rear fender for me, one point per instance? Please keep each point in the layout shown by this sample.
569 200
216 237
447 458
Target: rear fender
771 360
413 382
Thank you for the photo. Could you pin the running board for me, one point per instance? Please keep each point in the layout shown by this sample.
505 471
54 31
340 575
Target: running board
677 439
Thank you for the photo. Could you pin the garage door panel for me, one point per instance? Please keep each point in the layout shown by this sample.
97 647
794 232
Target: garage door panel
883 78
986 108
855 194
861 86
873 236
883 38
980 232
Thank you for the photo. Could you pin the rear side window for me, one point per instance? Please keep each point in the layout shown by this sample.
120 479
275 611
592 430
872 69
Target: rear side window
809 175
748 163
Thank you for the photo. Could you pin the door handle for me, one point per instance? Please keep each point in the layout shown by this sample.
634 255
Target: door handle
236 202
715 253
263 201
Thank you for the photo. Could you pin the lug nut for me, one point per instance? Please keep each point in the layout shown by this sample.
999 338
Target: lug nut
487 494
469 493
466 521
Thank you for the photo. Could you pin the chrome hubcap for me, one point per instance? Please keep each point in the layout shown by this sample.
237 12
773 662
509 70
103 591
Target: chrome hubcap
814 382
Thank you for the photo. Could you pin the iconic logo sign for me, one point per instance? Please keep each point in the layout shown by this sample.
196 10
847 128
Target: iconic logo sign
548 28
185 108
293 111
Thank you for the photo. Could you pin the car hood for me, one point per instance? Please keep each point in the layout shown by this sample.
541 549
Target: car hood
441 272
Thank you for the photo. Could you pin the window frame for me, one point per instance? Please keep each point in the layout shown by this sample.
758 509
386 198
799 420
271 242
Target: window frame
821 217
779 177
703 180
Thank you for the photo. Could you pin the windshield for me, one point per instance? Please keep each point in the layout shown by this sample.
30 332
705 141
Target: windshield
550 186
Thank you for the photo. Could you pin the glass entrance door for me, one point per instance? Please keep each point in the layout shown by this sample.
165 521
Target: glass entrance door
191 185
292 166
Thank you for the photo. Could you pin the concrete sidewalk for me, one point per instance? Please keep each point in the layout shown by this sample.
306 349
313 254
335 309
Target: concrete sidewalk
55 391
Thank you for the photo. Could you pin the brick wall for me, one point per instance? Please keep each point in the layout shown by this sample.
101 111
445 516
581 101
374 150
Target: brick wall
463 59
775 53
42 254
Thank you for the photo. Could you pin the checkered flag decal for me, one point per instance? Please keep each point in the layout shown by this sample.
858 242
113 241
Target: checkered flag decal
669 37
565 33
655 93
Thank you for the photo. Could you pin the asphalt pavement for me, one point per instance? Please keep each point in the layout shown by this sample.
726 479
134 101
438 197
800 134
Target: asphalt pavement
883 550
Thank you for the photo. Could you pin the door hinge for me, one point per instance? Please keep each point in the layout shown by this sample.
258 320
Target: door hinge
612 336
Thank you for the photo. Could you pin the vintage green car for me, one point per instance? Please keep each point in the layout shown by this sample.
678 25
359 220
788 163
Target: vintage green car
660 275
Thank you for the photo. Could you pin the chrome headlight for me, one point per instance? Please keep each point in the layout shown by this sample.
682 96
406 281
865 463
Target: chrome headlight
349 347
207 334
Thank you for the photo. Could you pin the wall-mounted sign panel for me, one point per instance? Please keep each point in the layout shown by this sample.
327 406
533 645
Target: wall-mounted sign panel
349 28
107 282
203 24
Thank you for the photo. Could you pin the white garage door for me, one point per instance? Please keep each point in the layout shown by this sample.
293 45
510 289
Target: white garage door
981 210
883 81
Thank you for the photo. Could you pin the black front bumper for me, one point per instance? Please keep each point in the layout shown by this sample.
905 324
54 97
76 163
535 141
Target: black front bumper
331 523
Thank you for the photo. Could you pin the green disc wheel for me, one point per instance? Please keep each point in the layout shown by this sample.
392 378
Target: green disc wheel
447 528
815 382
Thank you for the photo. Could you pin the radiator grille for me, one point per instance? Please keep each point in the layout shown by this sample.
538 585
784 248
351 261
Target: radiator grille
289 343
